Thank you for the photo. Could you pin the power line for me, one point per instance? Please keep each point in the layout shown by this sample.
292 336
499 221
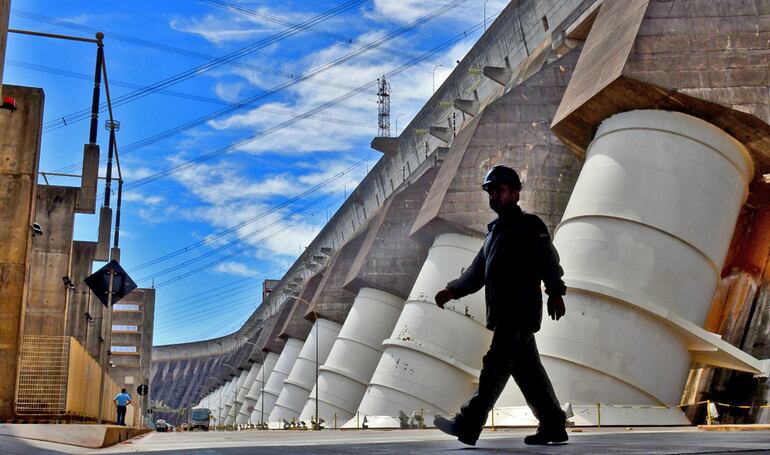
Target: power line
396 71
188 125
258 217
169 49
240 250
281 21
188 316
189 96
235 241
201 69
314 111
230 243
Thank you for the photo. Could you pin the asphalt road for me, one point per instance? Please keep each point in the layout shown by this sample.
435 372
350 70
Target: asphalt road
371 442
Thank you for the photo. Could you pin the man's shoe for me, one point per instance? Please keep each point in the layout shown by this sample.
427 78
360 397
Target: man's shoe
543 437
450 427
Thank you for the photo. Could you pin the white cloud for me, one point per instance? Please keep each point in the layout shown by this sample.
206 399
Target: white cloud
235 268
142 198
234 26
229 92
217 30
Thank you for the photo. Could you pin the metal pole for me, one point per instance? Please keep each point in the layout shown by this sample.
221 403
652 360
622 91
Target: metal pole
52 35
485 15
103 357
117 214
110 151
317 340
262 417
434 76
97 87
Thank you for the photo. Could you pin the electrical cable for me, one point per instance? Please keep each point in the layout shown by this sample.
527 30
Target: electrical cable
189 96
171 49
238 251
235 241
281 21
259 216
280 126
201 69
230 243
191 124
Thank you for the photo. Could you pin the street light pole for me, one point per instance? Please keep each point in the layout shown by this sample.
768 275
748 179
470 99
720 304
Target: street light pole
485 15
399 115
434 76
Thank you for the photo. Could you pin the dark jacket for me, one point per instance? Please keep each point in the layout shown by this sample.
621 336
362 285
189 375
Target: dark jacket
517 255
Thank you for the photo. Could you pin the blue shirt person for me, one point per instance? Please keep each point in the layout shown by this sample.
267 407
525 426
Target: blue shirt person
122 400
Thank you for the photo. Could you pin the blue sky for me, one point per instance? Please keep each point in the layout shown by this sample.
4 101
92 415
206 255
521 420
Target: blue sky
208 232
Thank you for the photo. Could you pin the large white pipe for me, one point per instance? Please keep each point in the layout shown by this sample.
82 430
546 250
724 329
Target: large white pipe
344 376
642 242
244 390
227 398
280 372
301 380
433 356
233 405
251 398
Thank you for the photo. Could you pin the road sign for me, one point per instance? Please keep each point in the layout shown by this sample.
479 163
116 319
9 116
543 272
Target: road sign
142 389
251 408
99 282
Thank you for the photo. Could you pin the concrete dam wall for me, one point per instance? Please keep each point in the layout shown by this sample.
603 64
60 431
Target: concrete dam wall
640 130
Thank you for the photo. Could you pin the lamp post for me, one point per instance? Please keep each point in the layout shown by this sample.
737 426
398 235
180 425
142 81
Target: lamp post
399 115
485 15
434 76
317 425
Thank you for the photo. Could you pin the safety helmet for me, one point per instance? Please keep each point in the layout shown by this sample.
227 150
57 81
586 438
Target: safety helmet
500 174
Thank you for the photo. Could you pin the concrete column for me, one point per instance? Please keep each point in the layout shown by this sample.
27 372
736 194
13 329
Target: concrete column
50 261
5 9
433 356
248 408
301 380
19 158
280 372
353 358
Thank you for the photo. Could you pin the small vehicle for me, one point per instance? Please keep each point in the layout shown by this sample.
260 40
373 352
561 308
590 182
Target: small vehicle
200 418
161 426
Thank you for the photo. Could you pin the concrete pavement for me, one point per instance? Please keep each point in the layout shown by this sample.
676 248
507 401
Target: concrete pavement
610 441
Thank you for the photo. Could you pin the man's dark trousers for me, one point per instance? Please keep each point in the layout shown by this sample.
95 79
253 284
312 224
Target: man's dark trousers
512 353
122 415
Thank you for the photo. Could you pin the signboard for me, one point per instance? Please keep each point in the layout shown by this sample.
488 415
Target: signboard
99 282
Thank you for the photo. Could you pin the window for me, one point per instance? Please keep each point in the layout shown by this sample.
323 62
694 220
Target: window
123 349
125 307
125 328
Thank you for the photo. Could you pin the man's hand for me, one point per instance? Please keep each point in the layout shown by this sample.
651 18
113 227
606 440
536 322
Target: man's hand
442 297
555 307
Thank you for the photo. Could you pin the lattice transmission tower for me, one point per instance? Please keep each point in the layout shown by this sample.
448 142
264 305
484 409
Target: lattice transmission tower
383 107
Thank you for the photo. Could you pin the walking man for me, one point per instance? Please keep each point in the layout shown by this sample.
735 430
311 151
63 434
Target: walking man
516 256
122 400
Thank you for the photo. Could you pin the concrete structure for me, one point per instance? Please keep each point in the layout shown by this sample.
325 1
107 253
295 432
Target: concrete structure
651 119
132 329
19 157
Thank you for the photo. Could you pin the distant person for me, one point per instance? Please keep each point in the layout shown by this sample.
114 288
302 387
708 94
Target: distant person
122 400
516 256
